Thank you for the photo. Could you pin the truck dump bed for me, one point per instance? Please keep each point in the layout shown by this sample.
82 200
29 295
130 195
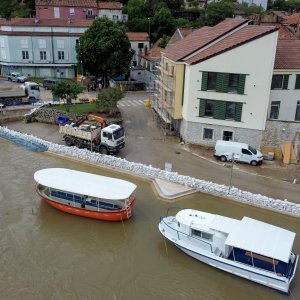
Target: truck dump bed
86 134
12 91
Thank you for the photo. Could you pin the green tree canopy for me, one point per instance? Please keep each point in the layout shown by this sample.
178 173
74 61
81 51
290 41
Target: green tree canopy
108 99
66 91
8 8
104 50
163 23
136 9
219 11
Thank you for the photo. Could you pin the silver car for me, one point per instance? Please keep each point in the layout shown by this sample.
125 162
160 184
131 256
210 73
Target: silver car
17 77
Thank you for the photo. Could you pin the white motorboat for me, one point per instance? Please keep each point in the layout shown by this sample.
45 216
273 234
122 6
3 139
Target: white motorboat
248 248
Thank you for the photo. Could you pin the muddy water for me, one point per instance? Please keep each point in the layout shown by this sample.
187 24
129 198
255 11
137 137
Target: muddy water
47 254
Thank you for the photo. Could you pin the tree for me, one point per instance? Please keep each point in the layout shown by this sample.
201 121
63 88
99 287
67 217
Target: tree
219 11
67 91
104 50
136 9
163 23
7 8
108 99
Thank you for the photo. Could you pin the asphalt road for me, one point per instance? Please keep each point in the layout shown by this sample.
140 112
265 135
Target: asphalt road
146 143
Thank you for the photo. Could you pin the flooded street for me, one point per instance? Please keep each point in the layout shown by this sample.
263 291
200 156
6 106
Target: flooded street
47 254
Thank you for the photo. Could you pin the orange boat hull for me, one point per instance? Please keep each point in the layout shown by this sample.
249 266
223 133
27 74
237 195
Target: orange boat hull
106 215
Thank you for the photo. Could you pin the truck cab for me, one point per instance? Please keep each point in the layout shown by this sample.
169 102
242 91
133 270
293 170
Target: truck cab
32 90
112 138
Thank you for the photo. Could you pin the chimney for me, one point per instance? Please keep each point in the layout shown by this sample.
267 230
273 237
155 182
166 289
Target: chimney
69 20
36 20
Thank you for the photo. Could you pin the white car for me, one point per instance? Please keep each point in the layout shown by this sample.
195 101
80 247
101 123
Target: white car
17 77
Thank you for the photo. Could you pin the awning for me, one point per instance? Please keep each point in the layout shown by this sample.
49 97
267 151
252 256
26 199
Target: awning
262 238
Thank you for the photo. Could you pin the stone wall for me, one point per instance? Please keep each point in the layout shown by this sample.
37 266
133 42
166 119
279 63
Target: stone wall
192 132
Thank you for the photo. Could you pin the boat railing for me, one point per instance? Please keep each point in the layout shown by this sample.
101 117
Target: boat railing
188 235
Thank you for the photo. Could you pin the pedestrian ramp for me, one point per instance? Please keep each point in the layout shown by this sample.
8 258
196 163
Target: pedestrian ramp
130 103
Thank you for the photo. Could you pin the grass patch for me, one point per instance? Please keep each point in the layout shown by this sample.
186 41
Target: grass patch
82 108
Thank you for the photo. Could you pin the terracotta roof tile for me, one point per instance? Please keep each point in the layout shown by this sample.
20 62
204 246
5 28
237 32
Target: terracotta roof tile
185 31
153 54
285 33
199 38
236 39
46 22
292 20
79 3
287 54
138 36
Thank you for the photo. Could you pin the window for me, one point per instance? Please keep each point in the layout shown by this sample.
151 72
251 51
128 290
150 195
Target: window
2 43
89 12
222 110
140 45
3 54
246 151
208 134
43 55
274 112
24 44
233 82
297 116
115 18
201 234
42 43
230 110
223 82
209 108
211 81
280 82
72 11
25 55
61 55
227 135
297 84
61 44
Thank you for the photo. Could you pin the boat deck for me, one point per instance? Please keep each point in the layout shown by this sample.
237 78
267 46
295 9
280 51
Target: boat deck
262 262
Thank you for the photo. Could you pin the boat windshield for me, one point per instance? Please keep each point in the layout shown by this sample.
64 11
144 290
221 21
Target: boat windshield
118 133
253 150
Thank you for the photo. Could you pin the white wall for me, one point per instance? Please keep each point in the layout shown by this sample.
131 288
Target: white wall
245 59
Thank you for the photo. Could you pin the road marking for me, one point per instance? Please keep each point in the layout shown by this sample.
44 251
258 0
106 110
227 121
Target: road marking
123 103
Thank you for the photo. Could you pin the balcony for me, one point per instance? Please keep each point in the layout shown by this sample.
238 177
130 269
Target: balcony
90 17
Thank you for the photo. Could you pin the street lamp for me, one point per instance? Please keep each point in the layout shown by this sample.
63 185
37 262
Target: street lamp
149 31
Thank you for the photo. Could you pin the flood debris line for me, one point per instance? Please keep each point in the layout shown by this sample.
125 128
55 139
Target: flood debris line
152 173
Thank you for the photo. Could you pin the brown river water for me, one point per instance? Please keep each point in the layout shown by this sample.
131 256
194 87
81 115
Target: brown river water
47 254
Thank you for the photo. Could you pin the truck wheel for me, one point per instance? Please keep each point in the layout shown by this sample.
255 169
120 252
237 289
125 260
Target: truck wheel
69 141
9 101
253 163
78 143
103 150
31 100
223 158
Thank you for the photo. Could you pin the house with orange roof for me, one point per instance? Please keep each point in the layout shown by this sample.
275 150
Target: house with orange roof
79 9
283 118
215 83
46 47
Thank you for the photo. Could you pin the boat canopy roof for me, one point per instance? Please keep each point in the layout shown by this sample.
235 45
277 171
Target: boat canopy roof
262 238
85 183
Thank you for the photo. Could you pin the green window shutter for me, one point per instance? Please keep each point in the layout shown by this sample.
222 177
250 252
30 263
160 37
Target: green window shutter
241 84
273 83
285 82
219 87
220 110
297 85
204 81
225 82
238 112
202 107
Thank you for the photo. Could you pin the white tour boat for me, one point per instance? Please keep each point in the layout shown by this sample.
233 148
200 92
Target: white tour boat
248 248
85 194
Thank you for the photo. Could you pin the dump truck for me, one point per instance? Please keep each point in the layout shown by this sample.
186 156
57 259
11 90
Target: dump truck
93 134
27 93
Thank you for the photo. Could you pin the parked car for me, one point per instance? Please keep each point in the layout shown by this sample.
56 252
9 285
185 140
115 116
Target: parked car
17 77
48 83
241 152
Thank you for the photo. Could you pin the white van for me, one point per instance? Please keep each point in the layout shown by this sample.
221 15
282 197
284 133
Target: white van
225 150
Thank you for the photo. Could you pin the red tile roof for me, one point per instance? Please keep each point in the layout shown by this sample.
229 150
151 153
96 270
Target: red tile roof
79 3
185 31
287 54
285 33
46 22
234 40
291 20
200 38
153 54
138 36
